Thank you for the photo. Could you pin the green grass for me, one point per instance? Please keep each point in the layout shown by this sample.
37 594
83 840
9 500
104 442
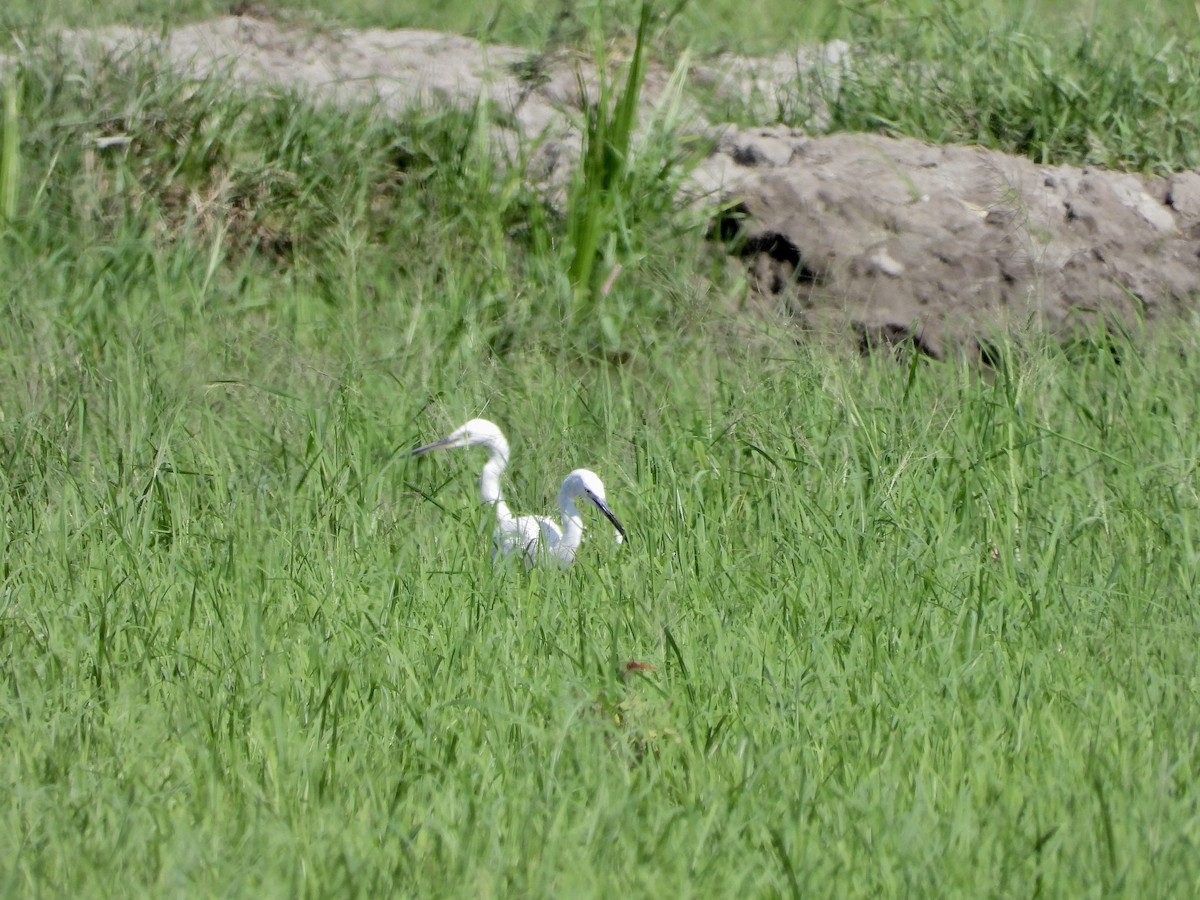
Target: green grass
1124 98
917 628
10 152
715 25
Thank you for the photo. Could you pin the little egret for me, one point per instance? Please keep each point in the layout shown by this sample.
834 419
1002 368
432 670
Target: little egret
536 538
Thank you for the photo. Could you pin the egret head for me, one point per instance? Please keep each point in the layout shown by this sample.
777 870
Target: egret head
477 432
586 485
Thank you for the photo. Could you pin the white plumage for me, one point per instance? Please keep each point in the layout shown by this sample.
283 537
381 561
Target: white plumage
537 538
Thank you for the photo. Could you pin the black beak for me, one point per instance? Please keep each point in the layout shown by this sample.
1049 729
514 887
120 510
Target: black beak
608 514
436 445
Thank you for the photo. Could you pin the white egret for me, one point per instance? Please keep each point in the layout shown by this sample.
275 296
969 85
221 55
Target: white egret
536 538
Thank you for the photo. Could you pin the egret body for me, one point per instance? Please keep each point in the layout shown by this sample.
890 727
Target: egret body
536 538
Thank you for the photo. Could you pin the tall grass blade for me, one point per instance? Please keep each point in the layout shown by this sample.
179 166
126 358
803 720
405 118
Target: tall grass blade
10 150
608 131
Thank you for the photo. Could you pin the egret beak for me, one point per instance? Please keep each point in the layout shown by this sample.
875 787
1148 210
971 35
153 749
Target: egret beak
445 443
608 514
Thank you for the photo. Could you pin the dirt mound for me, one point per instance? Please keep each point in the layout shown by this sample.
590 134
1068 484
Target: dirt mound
897 240
939 246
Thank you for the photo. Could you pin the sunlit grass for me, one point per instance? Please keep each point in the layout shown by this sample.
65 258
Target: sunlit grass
713 26
915 628
935 632
1121 97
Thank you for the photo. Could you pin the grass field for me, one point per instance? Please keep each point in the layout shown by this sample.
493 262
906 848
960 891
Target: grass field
916 628
762 27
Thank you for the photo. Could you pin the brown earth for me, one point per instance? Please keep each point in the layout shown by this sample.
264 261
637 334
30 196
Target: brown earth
894 240
943 246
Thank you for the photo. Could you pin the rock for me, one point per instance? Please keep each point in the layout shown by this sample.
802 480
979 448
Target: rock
940 247
760 148
1183 196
